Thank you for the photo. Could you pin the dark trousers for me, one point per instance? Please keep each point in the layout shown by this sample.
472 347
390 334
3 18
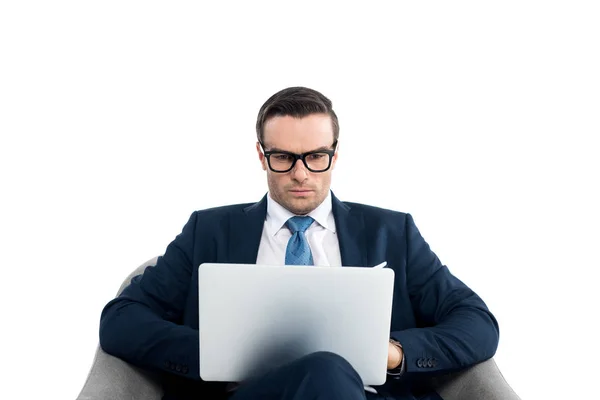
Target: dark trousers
317 376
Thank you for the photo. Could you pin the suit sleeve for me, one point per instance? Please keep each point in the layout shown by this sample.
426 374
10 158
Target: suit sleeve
456 329
140 325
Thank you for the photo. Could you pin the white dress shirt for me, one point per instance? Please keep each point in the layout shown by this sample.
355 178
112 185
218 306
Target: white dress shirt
321 235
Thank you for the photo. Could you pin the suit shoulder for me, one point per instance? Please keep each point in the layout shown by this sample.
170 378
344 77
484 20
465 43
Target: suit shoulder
376 212
376 218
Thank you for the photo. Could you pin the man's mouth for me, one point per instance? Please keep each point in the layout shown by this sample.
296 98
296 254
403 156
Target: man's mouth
300 191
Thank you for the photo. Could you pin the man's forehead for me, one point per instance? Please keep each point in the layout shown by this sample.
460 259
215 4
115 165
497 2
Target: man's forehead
299 134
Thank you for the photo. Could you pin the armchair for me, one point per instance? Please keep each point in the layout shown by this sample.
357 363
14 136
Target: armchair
113 378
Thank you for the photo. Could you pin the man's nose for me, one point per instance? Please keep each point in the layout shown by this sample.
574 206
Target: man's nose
299 171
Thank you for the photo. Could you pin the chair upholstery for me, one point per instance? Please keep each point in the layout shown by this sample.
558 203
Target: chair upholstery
112 378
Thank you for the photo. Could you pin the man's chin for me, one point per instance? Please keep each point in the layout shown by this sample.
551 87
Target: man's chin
300 205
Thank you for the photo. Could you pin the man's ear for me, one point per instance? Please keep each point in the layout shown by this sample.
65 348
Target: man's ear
335 156
261 157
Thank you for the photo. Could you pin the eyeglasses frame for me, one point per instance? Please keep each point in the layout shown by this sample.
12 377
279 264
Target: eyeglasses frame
302 157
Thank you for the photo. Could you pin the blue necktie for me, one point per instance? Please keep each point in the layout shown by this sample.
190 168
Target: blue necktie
298 251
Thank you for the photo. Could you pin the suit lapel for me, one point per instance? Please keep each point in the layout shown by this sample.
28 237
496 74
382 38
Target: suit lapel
245 231
350 228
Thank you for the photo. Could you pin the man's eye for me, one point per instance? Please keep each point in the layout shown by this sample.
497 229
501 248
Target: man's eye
316 156
282 157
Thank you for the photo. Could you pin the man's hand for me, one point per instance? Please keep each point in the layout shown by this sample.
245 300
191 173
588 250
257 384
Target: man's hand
395 354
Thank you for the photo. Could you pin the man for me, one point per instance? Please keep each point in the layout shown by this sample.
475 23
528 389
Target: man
438 324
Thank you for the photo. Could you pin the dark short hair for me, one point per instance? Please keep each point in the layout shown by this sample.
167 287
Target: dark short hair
297 102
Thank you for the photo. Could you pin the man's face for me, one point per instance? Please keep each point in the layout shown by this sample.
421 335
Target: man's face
299 190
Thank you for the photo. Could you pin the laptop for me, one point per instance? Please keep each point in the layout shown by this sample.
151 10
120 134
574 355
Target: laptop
253 318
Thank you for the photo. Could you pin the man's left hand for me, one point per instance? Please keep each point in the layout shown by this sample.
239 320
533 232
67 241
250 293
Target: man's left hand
395 354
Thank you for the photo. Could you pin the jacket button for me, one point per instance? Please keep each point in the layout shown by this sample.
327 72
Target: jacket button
434 362
420 363
429 363
184 369
178 368
167 364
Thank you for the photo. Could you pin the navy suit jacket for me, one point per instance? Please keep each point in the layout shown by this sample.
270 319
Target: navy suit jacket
442 325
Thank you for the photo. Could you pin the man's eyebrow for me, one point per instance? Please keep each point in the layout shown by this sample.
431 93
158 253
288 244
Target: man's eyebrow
277 149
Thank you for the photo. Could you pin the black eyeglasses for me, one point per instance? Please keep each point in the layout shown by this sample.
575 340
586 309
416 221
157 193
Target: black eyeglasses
314 161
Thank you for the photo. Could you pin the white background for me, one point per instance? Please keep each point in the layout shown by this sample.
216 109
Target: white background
481 119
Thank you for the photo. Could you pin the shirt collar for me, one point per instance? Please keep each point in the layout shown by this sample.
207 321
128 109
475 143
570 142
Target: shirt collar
277 215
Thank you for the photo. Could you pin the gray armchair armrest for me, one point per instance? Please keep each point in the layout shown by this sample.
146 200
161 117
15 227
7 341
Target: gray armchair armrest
114 379
480 382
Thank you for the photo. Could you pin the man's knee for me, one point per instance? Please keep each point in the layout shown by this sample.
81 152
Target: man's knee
326 375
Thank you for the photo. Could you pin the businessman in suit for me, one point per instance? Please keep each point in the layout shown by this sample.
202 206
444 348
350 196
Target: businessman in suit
438 324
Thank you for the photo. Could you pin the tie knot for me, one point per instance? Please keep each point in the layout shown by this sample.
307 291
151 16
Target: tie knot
299 224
